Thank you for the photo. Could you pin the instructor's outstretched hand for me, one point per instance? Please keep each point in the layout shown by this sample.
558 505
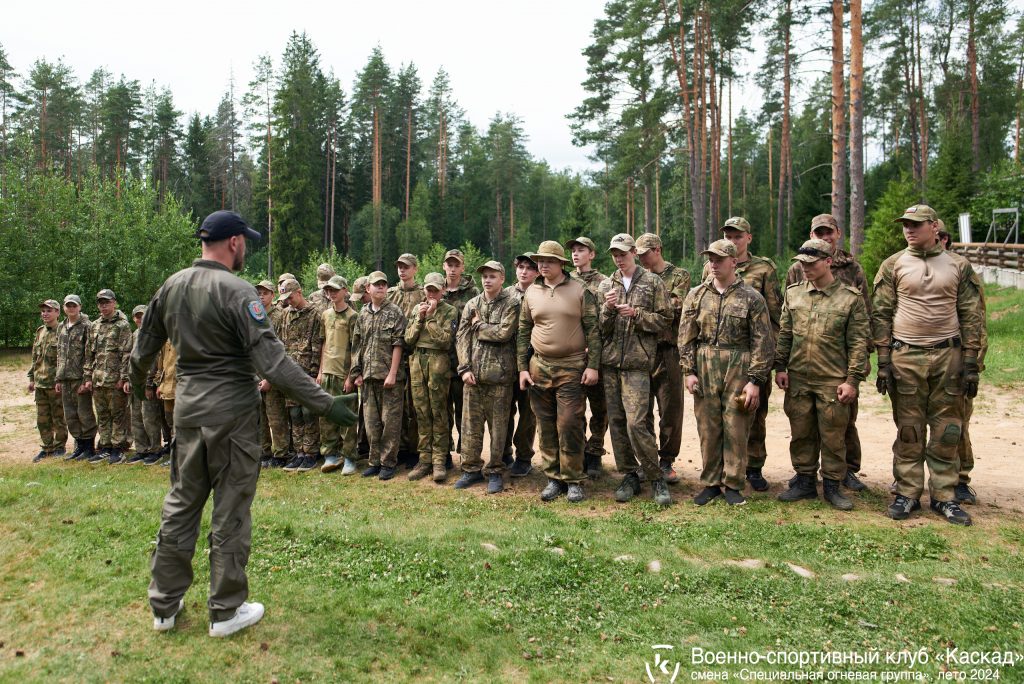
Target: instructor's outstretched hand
340 413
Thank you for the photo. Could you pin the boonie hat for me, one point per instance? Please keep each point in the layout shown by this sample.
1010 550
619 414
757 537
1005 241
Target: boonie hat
550 249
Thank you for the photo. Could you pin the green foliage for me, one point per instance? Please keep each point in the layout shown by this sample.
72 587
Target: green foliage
433 260
1000 188
950 180
884 236
1004 362
348 268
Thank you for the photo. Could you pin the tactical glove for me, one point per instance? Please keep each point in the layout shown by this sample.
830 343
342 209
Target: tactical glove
970 378
340 413
885 381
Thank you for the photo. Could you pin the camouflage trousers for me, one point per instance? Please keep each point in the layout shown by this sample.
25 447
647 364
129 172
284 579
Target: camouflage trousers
53 431
429 380
964 449
305 429
335 439
629 401
852 438
818 421
667 390
382 411
410 440
558 402
598 419
280 429
757 454
169 416
485 405
146 428
78 415
266 441
520 433
112 417
928 408
723 426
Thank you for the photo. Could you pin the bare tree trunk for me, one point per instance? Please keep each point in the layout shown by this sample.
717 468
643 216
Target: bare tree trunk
657 198
408 159
1020 85
270 191
784 164
838 118
856 128
378 239
729 153
972 77
922 106
771 213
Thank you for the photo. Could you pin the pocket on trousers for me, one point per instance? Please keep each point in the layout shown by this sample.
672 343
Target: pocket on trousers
905 388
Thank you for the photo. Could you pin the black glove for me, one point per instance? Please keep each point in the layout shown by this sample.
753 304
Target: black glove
970 378
885 381
340 413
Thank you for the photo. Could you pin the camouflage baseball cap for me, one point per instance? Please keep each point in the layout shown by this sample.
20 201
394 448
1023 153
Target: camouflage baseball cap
50 303
723 248
286 288
376 277
105 293
359 286
622 242
918 212
140 309
337 282
455 254
493 266
647 242
408 260
434 280
285 276
813 250
736 223
73 299
549 249
585 241
324 272
265 285
824 221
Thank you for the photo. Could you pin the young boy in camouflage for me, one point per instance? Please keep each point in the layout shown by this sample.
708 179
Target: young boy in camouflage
407 295
42 381
147 413
72 336
337 443
303 341
459 289
107 354
274 400
521 433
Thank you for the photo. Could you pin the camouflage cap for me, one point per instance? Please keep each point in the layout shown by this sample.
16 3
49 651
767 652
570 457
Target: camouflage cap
585 241
736 223
824 221
140 309
722 248
455 254
942 225
549 249
286 288
73 299
622 242
918 212
324 272
105 293
265 285
337 282
359 286
285 276
520 258
647 242
50 304
408 260
813 250
376 277
493 266
434 280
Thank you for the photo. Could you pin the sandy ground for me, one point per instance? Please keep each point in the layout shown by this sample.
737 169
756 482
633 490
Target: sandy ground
996 433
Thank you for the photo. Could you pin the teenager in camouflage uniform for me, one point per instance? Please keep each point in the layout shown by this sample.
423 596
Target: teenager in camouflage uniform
820 360
72 336
429 337
486 350
407 295
927 321
164 377
42 381
726 346
147 413
666 378
265 289
583 251
303 342
522 432
635 311
274 399
319 299
377 370
360 298
558 321
759 273
105 374
337 443
459 289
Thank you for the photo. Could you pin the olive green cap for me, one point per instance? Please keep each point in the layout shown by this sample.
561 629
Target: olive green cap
493 266
408 260
824 221
647 242
585 241
813 250
376 277
737 223
337 282
434 280
723 248
918 212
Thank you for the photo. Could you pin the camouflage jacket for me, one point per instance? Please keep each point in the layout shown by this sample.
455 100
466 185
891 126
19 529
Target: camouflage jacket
336 328
376 334
486 341
514 292
303 337
320 301
406 299
677 282
845 268
436 331
824 334
760 273
108 351
71 342
277 316
462 294
735 319
632 343
592 279
43 371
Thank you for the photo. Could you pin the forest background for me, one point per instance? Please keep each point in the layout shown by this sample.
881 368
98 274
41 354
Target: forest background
103 179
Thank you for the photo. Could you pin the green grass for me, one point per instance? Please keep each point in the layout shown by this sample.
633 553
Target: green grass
388 581
1004 363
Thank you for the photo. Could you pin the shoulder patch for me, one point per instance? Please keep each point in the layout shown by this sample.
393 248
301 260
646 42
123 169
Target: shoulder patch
256 311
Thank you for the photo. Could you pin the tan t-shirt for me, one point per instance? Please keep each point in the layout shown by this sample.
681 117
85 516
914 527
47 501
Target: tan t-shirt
926 296
557 314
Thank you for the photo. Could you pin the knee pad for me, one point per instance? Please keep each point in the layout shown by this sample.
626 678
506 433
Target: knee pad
950 435
910 434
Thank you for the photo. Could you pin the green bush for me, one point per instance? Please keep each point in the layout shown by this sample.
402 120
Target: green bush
884 236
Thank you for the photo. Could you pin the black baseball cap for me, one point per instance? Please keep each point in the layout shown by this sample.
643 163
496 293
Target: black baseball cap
220 225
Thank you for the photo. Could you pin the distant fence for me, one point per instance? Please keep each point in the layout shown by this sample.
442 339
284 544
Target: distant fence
996 263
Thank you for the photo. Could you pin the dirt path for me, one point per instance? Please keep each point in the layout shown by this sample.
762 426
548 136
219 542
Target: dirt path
995 432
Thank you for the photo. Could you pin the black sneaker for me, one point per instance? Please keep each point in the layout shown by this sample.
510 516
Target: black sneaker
520 469
707 495
963 494
59 452
628 488
80 445
756 480
853 483
952 512
265 462
152 459
902 507
307 464
386 473
100 456
495 484
733 497
116 456
575 492
294 464
468 479
372 471
40 456
137 457
553 490
507 459
801 487
592 466
276 463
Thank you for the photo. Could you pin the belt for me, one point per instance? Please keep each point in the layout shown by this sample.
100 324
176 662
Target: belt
730 347
951 342
429 350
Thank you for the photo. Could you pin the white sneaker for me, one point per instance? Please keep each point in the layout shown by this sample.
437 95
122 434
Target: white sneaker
248 614
163 624
349 467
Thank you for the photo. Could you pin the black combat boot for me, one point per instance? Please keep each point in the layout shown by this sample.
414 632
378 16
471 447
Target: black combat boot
834 495
804 487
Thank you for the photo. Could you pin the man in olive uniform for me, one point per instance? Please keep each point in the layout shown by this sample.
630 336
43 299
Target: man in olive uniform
319 298
429 337
666 378
521 433
486 350
42 381
277 408
407 295
147 413
72 335
459 289
558 320
583 251
303 342
759 273
927 321
337 444
219 328
845 269
635 311
105 374
726 347
820 361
